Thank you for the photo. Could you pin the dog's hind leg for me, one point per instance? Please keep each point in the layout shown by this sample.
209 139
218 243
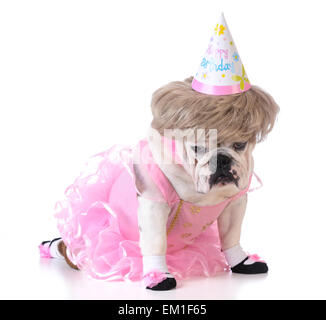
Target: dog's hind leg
63 251
55 249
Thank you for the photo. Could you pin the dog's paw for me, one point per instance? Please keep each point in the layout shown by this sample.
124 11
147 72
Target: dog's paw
159 281
251 265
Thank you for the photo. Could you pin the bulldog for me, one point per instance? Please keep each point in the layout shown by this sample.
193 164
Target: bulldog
191 193
214 138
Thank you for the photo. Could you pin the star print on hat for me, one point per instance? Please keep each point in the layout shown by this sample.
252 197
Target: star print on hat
221 71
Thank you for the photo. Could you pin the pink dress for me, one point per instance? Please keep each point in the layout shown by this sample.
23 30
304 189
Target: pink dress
98 221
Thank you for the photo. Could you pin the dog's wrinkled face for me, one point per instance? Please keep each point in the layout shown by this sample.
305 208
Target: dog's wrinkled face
214 166
241 120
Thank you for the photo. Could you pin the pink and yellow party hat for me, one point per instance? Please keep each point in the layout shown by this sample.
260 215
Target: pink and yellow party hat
221 71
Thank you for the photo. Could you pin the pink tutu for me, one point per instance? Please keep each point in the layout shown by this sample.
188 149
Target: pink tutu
98 222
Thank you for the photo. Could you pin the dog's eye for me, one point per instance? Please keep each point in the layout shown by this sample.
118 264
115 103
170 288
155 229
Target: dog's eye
239 146
198 149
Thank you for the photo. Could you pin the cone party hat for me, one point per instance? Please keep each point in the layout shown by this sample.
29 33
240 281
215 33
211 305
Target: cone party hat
221 71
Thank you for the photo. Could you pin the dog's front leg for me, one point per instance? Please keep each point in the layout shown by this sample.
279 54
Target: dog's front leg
229 224
152 220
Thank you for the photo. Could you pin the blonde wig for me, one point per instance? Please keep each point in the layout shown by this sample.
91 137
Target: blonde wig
247 116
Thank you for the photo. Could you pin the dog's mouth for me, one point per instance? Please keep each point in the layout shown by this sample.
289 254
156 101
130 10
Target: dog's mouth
223 179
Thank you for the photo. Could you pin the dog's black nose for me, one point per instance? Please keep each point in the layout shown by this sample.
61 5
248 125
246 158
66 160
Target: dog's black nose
223 161
220 166
220 163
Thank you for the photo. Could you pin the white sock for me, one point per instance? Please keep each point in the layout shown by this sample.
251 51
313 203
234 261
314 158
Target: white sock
235 255
151 263
54 250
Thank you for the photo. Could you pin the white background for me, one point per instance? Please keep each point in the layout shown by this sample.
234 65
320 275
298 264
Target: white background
77 77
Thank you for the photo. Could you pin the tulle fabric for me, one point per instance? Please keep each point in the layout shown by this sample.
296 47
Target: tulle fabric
153 278
97 221
98 218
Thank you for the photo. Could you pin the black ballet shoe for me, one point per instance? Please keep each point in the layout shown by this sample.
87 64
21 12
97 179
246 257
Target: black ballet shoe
167 284
254 268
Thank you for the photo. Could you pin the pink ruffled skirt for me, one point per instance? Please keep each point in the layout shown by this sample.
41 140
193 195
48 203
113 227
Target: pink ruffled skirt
97 221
